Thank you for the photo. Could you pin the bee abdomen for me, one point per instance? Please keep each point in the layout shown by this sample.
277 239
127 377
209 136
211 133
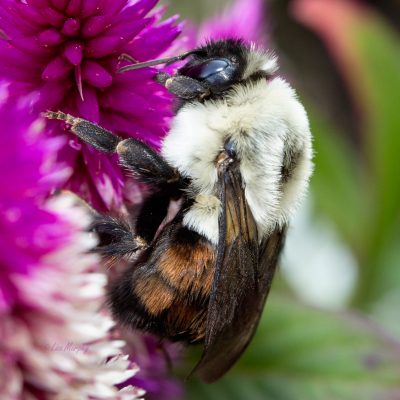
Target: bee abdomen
167 294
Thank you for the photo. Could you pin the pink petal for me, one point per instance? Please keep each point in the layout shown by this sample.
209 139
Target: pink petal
113 7
29 14
128 30
94 25
96 75
12 66
73 53
38 3
68 154
89 108
101 169
159 13
74 8
106 45
59 4
53 17
51 94
103 46
30 45
50 37
153 42
126 101
131 78
90 7
56 69
126 124
71 27
139 9
6 299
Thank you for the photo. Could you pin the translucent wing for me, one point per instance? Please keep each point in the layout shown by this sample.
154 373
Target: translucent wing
243 276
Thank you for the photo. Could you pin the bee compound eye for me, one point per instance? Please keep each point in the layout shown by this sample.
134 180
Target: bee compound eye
217 73
205 69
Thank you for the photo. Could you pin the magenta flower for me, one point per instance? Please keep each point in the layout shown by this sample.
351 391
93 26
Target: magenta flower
54 340
67 51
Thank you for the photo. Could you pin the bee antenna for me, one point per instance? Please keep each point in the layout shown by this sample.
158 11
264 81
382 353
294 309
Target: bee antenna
168 60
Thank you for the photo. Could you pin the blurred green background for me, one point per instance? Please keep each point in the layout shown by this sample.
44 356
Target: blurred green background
331 327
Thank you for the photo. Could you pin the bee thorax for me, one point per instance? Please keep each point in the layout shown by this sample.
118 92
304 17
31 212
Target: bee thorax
268 129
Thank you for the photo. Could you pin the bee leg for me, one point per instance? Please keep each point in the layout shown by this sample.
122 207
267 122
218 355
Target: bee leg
93 134
183 87
151 214
148 166
116 238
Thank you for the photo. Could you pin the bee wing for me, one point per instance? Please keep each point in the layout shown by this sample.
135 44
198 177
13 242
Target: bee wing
243 276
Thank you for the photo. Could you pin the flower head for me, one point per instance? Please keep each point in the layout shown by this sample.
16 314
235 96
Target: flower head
67 52
54 339
28 175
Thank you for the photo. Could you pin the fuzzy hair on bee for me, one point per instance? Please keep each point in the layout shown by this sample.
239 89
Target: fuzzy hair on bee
204 246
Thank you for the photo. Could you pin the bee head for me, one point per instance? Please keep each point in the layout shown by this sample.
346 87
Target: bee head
219 65
212 69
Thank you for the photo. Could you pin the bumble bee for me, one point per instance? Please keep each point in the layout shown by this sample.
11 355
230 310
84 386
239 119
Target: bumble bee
232 170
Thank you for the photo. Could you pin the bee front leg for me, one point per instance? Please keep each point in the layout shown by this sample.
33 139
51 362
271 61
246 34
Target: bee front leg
147 166
93 134
183 87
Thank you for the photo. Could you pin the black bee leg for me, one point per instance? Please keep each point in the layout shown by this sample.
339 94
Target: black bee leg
182 86
89 132
116 238
148 166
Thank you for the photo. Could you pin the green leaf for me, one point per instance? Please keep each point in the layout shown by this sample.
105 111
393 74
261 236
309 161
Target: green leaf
336 181
300 353
377 50
367 51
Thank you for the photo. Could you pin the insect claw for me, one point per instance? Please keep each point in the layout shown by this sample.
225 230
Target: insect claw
59 115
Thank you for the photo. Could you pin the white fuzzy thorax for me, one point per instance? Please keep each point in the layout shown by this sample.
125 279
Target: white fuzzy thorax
263 119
